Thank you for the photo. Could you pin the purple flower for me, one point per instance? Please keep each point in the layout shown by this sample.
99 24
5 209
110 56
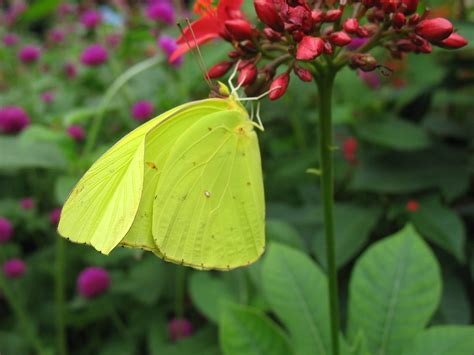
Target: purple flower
76 132
27 203
54 216
90 19
13 119
14 268
356 43
113 40
161 11
70 70
168 45
47 97
93 281
142 110
6 230
179 328
94 55
370 78
29 54
56 35
10 39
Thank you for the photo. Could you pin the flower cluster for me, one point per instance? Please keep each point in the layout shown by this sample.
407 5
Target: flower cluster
302 36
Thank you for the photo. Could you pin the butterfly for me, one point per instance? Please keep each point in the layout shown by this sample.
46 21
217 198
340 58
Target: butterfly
186 185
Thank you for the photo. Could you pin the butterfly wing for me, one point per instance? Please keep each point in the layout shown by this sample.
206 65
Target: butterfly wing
102 206
208 209
159 142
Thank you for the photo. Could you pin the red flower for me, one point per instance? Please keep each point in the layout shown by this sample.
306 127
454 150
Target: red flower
211 25
412 206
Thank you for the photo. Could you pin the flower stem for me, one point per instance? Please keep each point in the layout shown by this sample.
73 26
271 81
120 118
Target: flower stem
325 87
60 324
19 311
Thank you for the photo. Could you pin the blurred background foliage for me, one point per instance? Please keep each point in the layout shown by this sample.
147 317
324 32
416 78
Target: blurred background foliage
405 142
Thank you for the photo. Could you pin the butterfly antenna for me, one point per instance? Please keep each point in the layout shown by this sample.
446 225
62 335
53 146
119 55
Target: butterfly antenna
259 97
232 76
259 119
196 52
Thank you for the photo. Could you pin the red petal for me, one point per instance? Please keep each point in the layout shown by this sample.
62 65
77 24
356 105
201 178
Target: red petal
229 9
203 27
184 48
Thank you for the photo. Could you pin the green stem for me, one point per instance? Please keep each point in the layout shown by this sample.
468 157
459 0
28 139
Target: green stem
180 291
60 323
18 310
325 87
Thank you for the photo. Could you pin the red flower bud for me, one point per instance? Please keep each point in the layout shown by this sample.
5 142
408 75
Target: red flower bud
409 6
317 16
328 48
365 62
309 48
239 29
247 75
412 206
390 6
350 150
268 14
303 74
351 25
278 86
219 69
454 41
362 32
399 20
332 15
271 34
340 38
414 20
435 29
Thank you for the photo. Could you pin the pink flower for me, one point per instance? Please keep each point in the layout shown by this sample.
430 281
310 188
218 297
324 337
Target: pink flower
76 132
94 55
54 216
47 97
142 110
70 70
93 281
14 268
56 35
10 39
90 19
168 45
356 43
179 329
27 203
113 40
161 11
371 79
29 54
13 119
6 230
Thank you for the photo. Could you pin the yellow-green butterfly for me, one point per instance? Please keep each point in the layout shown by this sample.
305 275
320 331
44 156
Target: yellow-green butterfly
186 185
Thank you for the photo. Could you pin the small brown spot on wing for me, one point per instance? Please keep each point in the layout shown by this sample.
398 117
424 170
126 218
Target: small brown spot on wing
151 165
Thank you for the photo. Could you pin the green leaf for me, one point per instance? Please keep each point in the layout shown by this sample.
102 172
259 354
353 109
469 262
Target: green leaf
394 290
393 133
455 306
208 292
39 10
443 340
15 154
442 226
400 173
244 330
296 290
282 232
353 225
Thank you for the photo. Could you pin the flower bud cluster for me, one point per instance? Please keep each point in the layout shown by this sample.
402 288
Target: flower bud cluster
301 36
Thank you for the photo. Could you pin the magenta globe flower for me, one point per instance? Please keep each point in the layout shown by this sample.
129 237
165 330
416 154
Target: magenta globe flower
94 55
56 35
70 70
54 216
76 132
162 11
90 19
47 97
93 281
142 110
27 203
14 268
168 45
179 329
6 230
29 54
10 39
113 40
13 119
